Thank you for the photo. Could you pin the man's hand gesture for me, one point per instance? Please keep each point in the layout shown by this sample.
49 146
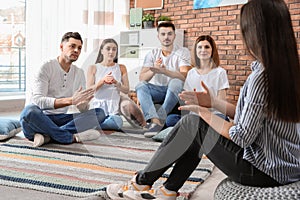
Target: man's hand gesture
159 67
82 96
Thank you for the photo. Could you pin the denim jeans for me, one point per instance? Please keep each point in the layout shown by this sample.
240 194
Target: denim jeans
112 122
184 146
172 119
60 127
149 94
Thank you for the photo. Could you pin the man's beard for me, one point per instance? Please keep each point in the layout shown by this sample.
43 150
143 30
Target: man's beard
167 44
72 59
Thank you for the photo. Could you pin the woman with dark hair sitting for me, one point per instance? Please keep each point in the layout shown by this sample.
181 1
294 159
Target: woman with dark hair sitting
262 146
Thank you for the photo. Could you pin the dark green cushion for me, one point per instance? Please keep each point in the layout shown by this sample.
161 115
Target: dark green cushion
159 137
9 128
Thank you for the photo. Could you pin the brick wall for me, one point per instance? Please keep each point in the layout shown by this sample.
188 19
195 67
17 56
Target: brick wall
222 24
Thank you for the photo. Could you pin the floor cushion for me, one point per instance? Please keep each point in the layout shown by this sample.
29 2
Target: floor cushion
9 128
228 190
160 136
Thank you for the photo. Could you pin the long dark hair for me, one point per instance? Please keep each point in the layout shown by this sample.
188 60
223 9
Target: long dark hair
269 37
100 55
214 55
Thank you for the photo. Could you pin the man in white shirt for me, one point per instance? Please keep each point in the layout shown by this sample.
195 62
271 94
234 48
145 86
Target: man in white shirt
162 77
58 85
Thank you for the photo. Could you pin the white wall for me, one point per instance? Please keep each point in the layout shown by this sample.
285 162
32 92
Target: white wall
48 20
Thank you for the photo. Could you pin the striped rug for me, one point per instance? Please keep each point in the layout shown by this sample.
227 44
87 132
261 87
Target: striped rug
83 170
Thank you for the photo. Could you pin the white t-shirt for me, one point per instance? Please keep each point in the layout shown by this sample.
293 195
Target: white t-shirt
216 80
108 96
179 57
53 82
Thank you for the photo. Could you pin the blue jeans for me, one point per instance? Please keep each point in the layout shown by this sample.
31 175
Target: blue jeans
60 127
112 122
149 94
172 119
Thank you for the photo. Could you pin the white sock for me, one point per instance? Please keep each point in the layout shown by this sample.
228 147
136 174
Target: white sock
40 139
87 135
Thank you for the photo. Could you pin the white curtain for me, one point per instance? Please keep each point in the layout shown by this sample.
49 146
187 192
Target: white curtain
48 20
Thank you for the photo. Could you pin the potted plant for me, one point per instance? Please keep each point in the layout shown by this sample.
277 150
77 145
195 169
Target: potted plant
163 18
148 21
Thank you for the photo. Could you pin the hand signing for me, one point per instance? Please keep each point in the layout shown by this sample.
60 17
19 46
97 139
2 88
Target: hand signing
82 96
159 67
198 98
109 79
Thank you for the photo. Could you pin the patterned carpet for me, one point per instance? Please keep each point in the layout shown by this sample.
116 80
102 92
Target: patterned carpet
83 170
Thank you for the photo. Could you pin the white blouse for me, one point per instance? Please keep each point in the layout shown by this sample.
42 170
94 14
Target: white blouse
108 96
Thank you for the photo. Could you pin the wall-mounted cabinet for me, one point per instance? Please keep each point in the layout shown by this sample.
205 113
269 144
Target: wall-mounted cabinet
133 47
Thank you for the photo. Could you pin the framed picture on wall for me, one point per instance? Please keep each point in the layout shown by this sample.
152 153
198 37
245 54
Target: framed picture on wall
198 4
149 4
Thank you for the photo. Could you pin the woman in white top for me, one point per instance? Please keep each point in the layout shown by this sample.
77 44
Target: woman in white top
108 78
205 63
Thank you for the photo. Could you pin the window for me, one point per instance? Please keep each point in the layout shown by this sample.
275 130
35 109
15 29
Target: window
12 46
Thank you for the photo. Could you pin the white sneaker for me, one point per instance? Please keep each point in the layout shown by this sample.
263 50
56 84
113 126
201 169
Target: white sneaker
160 193
115 191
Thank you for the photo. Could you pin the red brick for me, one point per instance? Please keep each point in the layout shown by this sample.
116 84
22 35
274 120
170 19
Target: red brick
181 4
221 33
182 21
189 16
210 19
219 13
229 67
226 47
236 52
203 15
294 6
222 23
174 9
197 20
227 18
236 72
227 28
180 13
237 62
210 28
226 37
234 12
218 23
